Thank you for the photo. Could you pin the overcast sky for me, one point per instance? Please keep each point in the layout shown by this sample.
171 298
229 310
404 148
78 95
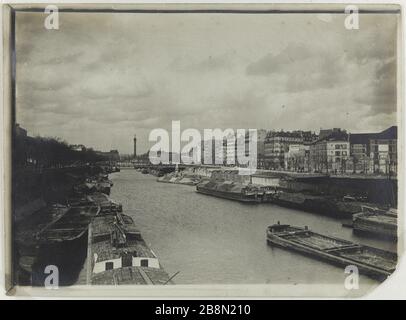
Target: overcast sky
101 78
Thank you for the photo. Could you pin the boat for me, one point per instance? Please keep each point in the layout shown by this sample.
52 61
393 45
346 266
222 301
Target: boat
26 244
105 203
347 208
103 186
177 178
376 222
144 171
117 254
307 202
373 262
231 190
68 227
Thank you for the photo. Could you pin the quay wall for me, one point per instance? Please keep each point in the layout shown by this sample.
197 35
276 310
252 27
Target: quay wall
381 191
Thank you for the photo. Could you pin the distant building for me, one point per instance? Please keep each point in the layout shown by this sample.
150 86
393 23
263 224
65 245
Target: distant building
78 147
374 152
276 145
230 149
112 155
212 152
326 132
296 159
19 131
260 147
330 153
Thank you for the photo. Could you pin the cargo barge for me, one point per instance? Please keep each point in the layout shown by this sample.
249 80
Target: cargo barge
375 222
69 227
373 262
231 190
117 254
311 203
189 180
105 203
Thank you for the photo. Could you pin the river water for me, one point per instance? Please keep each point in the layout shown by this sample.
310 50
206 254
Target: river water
217 241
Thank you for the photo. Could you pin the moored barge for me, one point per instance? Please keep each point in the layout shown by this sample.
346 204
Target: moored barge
231 190
117 254
105 203
376 222
70 226
373 262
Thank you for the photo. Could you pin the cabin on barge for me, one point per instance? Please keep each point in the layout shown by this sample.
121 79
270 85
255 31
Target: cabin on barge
117 254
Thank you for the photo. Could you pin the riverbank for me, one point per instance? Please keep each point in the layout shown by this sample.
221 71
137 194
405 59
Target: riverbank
58 233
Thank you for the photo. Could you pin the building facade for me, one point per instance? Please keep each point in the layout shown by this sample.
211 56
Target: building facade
276 145
330 153
296 159
375 152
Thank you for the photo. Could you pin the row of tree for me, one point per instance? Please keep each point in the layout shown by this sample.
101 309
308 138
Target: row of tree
44 152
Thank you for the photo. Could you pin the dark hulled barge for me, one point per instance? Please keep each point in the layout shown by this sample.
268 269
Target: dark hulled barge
373 262
230 190
376 222
117 254
70 226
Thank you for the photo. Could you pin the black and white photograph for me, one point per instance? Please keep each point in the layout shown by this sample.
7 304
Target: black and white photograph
167 145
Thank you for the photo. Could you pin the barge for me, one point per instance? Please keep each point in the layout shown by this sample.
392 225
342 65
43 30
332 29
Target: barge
306 202
375 222
27 246
117 254
373 262
186 179
231 190
105 203
68 227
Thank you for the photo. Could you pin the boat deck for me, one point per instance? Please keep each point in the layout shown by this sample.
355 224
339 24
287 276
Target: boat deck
131 276
114 239
317 241
371 260
370 257
106 204
69 226
379 218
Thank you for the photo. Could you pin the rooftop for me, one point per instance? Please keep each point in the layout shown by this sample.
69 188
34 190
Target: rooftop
363 138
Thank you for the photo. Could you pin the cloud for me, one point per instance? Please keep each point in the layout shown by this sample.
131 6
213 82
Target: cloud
210 63
275 63
101 78
380 91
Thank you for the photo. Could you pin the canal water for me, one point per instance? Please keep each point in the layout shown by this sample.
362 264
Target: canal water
217 241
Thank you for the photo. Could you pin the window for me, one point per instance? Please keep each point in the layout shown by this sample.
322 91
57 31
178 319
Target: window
144 262
109 266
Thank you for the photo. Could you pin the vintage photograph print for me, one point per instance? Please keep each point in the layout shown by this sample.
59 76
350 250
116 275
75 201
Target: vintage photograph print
205 145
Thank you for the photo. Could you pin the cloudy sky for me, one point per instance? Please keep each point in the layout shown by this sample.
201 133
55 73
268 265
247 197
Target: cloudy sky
103 77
